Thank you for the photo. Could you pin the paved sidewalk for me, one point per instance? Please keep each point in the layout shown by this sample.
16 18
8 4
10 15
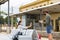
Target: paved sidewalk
54 34
44 38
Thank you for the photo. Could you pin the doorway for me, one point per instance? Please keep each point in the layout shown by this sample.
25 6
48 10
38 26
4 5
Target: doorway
34 18
57 28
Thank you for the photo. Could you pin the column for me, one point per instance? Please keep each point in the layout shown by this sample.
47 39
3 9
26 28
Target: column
12 22
54 25
24 20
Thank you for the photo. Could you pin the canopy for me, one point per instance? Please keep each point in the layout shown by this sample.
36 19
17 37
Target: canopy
3 1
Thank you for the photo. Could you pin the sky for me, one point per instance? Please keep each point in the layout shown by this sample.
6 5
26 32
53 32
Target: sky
15 4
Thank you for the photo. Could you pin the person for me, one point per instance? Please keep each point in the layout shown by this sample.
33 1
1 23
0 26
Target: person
21 27
48 24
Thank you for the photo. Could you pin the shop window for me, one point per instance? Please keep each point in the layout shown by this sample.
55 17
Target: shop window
58 18
44 23
57 25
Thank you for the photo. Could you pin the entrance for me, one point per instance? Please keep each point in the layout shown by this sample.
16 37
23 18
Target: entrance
58 24
34 18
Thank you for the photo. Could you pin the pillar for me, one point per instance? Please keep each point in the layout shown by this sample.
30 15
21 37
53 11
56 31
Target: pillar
12 22
54 25
24 20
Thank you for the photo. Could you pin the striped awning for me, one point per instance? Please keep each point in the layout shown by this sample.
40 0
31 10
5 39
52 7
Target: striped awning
3 1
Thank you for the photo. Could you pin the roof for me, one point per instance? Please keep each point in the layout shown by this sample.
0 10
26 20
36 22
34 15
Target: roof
48 6
41 7
3 1
33 3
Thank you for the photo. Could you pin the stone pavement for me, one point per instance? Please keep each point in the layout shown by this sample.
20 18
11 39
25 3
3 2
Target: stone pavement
4 33
44 38
56 35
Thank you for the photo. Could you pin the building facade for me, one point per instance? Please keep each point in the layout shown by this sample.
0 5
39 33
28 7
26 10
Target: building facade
33 12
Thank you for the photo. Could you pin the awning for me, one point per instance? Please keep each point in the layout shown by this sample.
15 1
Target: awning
3 1
52 8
